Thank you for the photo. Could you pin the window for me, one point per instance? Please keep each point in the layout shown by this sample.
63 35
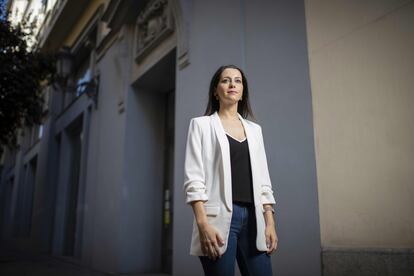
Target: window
40 132
84 54
82 76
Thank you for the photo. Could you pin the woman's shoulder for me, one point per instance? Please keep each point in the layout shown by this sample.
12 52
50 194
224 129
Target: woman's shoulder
253 124
200 120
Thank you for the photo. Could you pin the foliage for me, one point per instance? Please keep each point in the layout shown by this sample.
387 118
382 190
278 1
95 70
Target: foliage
21 72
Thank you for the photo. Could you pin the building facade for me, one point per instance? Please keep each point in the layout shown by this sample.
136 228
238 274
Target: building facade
99 183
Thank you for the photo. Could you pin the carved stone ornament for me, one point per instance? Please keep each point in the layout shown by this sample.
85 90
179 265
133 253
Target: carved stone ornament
154 24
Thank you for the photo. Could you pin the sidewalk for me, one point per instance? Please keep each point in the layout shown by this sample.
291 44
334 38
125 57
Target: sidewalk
13 264
16 264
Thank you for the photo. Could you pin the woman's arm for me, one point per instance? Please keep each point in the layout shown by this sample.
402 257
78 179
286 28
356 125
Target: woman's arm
270 231
194 178
195 191
264 176
268 200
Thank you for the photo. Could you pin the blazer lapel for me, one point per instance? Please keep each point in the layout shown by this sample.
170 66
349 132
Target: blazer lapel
225 153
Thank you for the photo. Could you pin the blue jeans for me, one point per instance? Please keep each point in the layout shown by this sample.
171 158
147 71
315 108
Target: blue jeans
241 246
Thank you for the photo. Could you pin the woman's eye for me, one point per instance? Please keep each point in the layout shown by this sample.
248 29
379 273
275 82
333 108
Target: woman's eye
227 80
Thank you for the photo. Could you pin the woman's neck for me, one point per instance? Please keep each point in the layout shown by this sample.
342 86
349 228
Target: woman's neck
228 113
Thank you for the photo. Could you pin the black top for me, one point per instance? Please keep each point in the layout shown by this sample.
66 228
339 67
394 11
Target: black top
241 172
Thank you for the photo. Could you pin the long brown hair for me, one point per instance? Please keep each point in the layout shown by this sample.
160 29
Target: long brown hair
213 105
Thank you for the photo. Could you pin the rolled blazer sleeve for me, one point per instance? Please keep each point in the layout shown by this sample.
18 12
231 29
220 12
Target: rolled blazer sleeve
266 185
194 177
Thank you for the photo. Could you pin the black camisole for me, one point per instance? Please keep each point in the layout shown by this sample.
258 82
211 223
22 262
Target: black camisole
241 172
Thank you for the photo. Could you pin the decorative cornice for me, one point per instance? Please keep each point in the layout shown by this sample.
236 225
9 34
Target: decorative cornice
63 18
153 25
174 17
120 12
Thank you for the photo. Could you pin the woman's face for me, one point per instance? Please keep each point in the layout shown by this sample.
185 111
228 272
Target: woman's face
230 86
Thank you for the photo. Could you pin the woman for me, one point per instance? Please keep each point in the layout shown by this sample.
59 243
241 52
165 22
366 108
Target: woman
227 183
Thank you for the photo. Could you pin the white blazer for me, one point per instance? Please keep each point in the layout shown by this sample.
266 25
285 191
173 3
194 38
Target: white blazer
207 176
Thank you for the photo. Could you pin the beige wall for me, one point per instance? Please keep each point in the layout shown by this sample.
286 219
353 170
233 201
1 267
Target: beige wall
361 56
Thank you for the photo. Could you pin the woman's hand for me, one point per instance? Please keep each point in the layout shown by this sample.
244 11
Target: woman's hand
271 238
270 230
210 240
